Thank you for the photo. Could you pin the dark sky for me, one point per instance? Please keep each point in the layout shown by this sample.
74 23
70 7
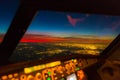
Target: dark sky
59 24
87 25
7 11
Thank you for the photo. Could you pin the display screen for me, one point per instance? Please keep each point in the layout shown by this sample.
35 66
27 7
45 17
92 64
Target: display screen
72 77
61 33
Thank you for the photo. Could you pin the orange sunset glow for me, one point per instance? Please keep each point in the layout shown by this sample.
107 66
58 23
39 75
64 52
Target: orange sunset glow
44 38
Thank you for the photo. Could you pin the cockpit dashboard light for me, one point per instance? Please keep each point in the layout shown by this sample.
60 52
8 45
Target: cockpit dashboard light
40 67
58 70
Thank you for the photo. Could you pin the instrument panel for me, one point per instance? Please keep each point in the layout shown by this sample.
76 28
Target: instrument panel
57 70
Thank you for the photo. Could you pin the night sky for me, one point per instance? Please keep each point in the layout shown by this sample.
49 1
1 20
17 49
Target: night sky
61 24
7 11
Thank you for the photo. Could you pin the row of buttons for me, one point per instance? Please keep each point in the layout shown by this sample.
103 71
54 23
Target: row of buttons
10 76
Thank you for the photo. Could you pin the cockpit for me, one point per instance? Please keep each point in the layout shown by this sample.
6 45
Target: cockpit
62 41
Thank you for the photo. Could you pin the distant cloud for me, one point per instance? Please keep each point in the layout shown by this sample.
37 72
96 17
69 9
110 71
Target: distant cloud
103 37
111 29
87 15
115 25
73 21
106 16
107 33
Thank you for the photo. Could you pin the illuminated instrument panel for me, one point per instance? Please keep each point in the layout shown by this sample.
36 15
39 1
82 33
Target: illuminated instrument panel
68 70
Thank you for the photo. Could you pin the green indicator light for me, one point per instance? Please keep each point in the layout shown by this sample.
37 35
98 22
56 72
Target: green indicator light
48 78
49 73
62 79
72 59
77 69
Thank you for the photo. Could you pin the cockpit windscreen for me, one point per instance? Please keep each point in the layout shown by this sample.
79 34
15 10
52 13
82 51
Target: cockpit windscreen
61 33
